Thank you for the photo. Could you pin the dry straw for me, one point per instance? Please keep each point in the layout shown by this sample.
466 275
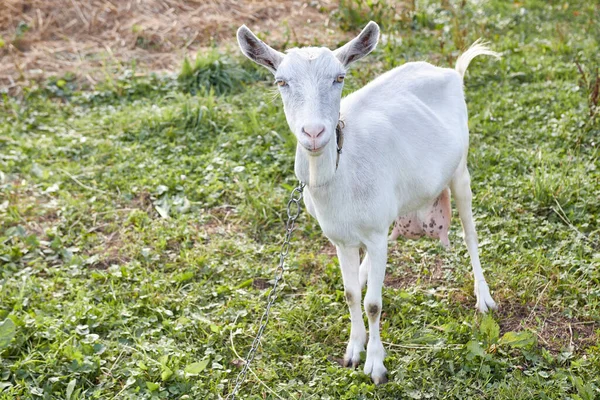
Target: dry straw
88 37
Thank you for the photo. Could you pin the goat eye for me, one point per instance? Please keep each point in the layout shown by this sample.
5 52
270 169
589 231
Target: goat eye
281 82
339 79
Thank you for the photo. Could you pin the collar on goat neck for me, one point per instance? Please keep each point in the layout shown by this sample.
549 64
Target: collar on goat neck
339 140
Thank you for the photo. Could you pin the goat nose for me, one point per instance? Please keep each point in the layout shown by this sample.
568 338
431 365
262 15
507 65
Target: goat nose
313 130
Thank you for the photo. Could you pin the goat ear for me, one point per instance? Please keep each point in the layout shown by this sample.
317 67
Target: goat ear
256 50
360 46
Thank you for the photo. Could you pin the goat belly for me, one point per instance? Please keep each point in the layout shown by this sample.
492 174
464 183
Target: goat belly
433 221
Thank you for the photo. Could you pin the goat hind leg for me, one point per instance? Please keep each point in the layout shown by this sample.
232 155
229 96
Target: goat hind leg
461 190
363 271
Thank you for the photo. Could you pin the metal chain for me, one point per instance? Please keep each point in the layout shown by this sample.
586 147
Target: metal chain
293 211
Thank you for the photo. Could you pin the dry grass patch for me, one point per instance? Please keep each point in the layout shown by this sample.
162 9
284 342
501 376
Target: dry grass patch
89 38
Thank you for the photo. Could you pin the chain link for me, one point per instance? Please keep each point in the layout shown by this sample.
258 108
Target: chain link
293 211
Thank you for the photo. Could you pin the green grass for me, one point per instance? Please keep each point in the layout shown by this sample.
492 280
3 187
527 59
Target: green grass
138 223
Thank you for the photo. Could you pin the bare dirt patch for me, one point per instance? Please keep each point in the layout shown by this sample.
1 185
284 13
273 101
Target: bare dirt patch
554 330
404 277
107 262
143 201
260 283
89 38
109 251
220 221
39 211
329 250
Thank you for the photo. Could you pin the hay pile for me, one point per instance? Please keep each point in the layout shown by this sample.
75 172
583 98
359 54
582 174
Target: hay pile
90 38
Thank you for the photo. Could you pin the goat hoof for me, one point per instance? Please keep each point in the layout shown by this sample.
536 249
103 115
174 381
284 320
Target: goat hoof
484 306
379 375
352 356
350 363
380 380
376 369
484 298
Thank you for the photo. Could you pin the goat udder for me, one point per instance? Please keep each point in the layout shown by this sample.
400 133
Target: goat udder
435 222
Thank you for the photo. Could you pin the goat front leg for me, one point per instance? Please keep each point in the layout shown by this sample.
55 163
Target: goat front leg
377 252
461 189
349 262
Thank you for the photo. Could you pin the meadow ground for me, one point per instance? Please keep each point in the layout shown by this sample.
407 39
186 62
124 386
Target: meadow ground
141 219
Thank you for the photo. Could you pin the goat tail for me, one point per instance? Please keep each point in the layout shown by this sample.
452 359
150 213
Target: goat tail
477 49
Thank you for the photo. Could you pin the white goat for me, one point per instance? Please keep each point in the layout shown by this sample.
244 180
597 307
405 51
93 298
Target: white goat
405 141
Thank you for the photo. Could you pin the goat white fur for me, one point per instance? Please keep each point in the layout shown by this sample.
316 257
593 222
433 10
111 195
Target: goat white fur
406 140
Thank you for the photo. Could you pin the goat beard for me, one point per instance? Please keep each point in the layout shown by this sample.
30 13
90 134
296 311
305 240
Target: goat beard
312 171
